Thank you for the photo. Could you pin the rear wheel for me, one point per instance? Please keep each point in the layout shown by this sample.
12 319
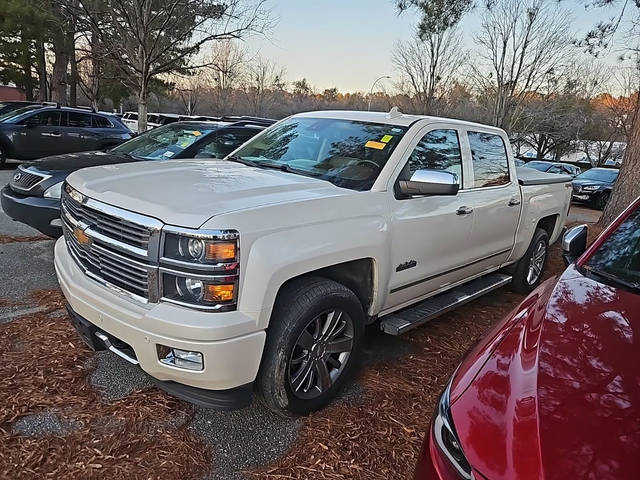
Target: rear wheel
529 269
312 347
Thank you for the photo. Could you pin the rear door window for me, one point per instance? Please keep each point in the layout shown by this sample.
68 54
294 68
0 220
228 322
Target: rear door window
100 122
77 119
490 160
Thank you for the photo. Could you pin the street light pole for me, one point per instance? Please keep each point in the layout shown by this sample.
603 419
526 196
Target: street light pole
373 86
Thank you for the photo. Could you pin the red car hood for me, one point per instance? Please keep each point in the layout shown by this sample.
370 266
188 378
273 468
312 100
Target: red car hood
559 396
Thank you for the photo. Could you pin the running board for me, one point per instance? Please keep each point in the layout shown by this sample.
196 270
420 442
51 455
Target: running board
402 321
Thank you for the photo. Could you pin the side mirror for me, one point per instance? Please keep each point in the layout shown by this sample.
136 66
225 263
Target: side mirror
574 243
430 182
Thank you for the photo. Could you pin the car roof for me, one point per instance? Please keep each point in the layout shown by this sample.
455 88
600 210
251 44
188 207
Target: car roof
393 117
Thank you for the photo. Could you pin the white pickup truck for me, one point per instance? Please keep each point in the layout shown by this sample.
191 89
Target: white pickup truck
261 271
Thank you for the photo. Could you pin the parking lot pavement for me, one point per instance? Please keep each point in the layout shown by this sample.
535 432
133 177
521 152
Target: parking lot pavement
582 214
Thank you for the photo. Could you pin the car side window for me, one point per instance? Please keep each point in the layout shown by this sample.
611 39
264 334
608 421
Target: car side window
100 122
490 160
556 169
437 150
76 119
48 118
222 143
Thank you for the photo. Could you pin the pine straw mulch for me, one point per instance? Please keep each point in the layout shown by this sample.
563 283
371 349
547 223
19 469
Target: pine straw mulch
381 437
44 368
16 239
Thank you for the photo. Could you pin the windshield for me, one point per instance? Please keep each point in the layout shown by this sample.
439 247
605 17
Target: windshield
347 153
163 142
600 174
618 258
542 166
19 111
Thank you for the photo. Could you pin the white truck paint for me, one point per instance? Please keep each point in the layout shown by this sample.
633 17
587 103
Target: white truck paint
291 226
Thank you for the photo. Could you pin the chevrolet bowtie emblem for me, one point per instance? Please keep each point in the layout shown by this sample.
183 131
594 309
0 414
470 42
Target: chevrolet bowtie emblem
81 237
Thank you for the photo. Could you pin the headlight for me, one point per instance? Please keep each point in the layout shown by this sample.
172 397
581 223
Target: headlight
447 438
54 191
201 249
590 188
200 268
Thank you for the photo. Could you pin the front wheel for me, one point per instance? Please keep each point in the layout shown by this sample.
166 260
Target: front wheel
601 200
528 271
313 344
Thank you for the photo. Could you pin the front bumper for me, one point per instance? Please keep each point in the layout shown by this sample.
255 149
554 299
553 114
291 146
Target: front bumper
231 358
584 196
41 213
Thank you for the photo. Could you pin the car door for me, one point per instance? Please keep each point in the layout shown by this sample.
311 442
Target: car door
495 197
430 234
40 134
78 134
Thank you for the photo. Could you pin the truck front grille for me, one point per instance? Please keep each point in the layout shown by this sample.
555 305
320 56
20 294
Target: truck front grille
110 247
109 225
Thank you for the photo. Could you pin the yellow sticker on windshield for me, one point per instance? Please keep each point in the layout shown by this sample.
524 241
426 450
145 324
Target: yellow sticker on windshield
376 145
196 133
387 138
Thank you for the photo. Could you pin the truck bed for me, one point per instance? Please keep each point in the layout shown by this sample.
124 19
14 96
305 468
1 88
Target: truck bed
531 176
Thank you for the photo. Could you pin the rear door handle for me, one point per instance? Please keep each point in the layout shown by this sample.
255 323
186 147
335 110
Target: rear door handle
514 201
464 211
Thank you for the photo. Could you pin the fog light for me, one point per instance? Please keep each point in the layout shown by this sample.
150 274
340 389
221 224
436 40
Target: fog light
180 358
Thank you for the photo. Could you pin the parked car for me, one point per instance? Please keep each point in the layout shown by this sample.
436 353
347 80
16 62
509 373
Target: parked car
554 167
38 131
594 186
130 119
553 391
518 162
262 270
33 194
10 106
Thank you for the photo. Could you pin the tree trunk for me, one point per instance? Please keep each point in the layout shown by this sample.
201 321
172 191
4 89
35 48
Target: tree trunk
42 71
59 76
73 80
627 187
143 95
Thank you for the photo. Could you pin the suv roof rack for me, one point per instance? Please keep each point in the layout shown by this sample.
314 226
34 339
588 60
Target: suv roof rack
91 109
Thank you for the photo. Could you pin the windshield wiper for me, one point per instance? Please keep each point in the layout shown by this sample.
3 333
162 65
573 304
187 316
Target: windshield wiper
243 161
614 279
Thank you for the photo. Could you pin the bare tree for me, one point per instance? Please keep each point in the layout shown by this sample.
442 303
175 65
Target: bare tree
521 43
428 66
225 74
262 82
147 38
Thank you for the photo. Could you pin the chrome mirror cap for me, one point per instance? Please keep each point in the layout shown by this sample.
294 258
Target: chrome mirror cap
430 182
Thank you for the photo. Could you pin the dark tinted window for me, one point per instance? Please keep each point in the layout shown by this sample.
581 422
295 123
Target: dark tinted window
100 122
619 255
490 161
223 142
438 150
76 119
49 117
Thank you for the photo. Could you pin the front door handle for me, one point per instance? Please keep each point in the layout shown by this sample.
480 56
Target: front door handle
464 211
513 202
52 134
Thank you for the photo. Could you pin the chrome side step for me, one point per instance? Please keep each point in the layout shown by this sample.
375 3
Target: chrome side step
409 318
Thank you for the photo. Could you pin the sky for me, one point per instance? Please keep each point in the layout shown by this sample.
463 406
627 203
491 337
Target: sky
348 43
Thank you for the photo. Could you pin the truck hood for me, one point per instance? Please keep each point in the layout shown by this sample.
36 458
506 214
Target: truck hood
187 193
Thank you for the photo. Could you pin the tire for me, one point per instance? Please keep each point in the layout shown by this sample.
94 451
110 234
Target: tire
526 277
601 200
291 379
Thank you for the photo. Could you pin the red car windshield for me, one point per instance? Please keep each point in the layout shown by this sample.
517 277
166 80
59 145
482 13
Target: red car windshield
618 258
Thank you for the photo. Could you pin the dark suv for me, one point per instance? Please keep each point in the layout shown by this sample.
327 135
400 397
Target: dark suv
33 194
36 131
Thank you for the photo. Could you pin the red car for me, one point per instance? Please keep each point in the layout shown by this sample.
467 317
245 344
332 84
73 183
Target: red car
554 391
